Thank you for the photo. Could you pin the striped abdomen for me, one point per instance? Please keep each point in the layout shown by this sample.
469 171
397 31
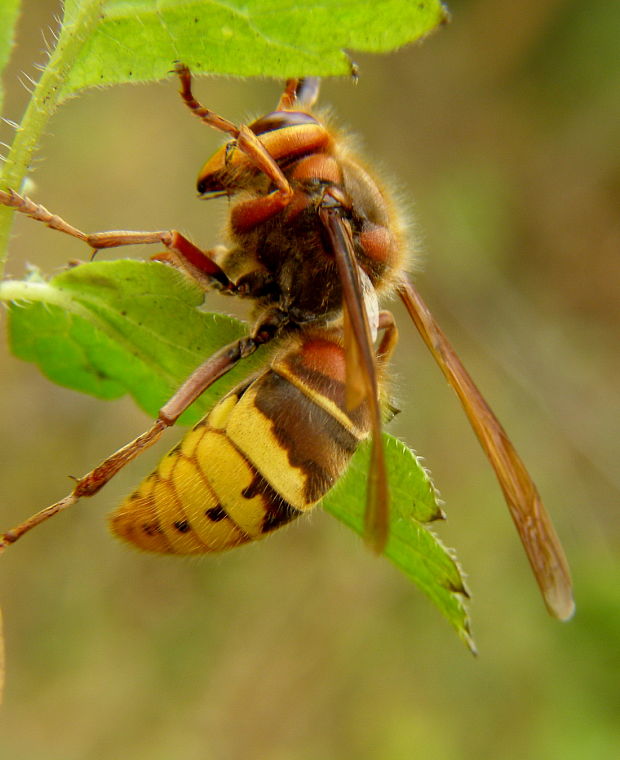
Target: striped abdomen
267 452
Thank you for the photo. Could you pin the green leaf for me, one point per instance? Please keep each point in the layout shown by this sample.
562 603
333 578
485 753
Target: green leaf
109 328
116 327
137 40
103 42
411 546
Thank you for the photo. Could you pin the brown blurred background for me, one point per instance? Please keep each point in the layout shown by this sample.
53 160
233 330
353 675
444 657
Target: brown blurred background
502 134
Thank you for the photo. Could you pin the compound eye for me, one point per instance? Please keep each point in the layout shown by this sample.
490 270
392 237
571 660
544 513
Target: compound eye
210 184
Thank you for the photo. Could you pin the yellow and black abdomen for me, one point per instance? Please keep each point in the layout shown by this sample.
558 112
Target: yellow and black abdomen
267 452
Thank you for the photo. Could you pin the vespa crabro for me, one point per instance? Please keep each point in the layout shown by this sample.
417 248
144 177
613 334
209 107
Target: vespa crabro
314 241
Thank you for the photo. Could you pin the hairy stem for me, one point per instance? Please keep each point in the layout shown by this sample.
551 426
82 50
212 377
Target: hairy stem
45 99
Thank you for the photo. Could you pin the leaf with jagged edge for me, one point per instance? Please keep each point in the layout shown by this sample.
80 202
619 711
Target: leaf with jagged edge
116 327
411 545
137 40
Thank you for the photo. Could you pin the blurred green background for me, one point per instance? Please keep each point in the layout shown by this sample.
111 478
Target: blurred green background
502 134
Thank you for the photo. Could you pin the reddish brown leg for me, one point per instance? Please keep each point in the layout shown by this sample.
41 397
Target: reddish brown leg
390 336
299 93
206 115
289 96
182 249
245 140
211 370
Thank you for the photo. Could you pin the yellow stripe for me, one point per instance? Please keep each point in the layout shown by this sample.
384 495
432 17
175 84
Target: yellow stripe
191 440
252 433
169 512
229 475
129 520
317 398
220 413
197 497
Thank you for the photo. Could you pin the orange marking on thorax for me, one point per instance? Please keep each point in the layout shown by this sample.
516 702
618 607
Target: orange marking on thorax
320 355
247 215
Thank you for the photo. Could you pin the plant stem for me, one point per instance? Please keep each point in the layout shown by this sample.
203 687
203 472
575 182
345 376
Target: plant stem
45 99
